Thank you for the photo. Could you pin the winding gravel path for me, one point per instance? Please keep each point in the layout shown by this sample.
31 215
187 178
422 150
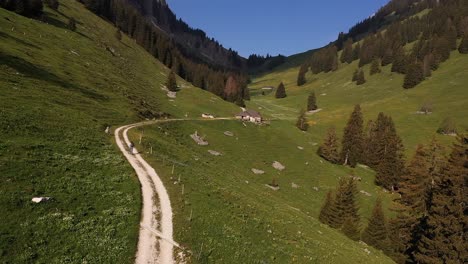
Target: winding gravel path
155 241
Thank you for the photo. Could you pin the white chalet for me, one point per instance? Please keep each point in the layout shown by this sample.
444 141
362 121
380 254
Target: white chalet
250 115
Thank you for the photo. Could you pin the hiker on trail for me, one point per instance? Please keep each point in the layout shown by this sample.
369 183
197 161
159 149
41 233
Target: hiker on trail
131 147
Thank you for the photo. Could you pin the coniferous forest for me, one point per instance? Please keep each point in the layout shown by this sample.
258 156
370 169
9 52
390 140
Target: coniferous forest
381 40
430 221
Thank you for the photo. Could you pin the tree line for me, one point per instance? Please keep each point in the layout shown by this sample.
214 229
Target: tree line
431 209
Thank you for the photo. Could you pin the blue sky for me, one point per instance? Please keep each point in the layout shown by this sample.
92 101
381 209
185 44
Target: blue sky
272 26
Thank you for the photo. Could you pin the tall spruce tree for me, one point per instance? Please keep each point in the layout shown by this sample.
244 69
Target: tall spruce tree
444 239
351 229
463 48
360 78
301 79
312 102
344 205
375 67
329 150
347 54
280 91
414 75
302 121
353 136
389 149
376 234
171 82
325 212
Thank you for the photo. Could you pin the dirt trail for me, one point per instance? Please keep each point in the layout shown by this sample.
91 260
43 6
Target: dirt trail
155 241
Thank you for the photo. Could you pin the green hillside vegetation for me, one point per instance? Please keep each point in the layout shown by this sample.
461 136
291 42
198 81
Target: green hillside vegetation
60 89
224 213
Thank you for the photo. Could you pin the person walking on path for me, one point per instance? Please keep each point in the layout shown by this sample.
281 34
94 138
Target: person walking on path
132 146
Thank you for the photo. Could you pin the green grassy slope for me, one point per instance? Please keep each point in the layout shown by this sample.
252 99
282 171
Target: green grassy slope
337 95
224 213
59 90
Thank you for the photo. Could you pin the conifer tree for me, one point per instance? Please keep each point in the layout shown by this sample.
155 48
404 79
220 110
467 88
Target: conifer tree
415 182
347 54
118 35
72 24
375 234
302 121
463 48
389 150
387 57
312 102
280 91
324 215
444 238
355 75
337 210
344 205
329 148
375 67
351 228
352 144
360 79
356 51
400 61
301 79
414 76
171 82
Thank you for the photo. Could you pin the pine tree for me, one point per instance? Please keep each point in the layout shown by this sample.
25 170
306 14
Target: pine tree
375 67
347 54
352 144
415 182
280 91
171 82
302 121
329 148
448 127
463 48
337 210
324 215
232 89
360 79
351 229
344 205
444 238
414 76
72 24
375 234
355 75
387 57
389 152
400 61
356 51
301 79
118 35
312 102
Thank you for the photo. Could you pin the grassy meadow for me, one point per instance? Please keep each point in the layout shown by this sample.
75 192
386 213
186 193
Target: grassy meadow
59 91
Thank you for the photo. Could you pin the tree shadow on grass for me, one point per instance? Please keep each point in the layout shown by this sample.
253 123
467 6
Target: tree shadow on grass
25 43
33 71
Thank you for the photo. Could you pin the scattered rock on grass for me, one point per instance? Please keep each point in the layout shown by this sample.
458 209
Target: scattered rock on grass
214 153
300 148
40 199
294 186
200 141
316 189
278 166
228 133
258 172
171 94
365 193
